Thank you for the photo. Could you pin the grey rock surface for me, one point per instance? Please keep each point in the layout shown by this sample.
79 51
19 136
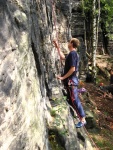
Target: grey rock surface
28 64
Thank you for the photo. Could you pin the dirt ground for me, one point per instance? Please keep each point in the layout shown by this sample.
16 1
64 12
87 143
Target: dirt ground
104 105
104 111
104 108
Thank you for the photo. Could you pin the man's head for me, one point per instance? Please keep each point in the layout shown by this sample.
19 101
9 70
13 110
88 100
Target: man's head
73 44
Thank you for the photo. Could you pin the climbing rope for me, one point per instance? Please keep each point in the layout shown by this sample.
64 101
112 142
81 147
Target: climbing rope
91 138
54 19
55 24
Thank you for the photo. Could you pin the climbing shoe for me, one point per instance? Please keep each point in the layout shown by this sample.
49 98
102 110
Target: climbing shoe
80 124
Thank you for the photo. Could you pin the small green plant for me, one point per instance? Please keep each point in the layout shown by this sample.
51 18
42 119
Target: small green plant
106 113
64 98
97 80
63 132
53 113
57 114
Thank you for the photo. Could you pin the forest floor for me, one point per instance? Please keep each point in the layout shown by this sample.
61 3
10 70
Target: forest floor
104 110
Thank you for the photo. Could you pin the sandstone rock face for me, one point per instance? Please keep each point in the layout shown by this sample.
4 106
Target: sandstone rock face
77 20
22 117
28 64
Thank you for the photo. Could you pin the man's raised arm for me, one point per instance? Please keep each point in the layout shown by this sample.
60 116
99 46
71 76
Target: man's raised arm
62 56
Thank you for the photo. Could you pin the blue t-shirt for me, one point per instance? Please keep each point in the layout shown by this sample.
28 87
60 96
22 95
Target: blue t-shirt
72 60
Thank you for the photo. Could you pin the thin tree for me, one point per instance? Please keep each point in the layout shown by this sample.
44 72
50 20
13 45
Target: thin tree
94 36
85 40
96 21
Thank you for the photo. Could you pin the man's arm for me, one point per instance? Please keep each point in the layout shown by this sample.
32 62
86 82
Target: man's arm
62 56
71 70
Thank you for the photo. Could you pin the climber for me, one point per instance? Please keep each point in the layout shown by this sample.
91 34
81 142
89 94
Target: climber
70 78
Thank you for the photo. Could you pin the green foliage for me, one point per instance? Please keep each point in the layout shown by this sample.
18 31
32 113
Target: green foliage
97 80
56 112
106 10
87 5
104 144
107 13
55 144
63 132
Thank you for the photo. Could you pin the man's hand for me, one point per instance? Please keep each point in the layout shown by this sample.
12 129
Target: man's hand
60 78
62 56
55 43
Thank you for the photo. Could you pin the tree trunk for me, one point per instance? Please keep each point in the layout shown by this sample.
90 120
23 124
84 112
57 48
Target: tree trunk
85 37
94 39
98 20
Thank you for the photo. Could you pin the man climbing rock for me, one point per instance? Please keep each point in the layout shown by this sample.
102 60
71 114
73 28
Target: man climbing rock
70 78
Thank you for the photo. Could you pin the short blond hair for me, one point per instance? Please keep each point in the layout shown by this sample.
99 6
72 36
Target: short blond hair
75 42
